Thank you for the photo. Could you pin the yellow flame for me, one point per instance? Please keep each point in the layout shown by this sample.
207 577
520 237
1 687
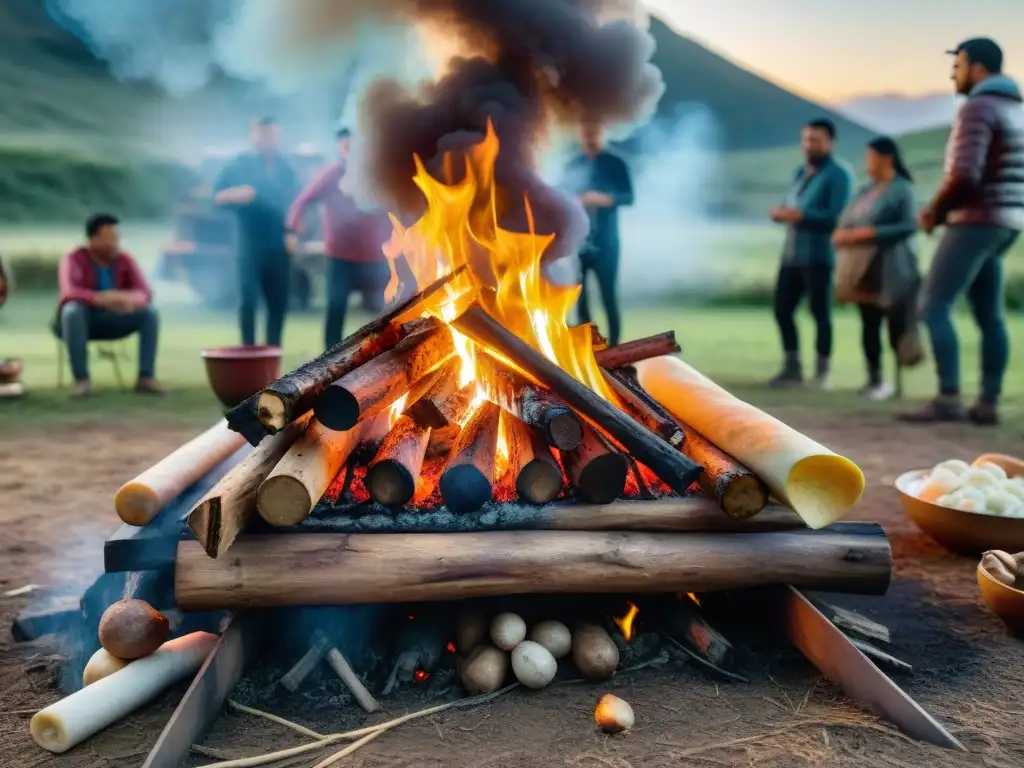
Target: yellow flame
694 598
460 229
626 622
397 409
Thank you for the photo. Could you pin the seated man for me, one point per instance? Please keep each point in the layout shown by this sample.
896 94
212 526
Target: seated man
103 296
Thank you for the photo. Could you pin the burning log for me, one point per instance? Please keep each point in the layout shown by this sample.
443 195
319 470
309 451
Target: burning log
372 387
138 501
295 393
684 621
332 569
739 492
641 349
538 478
294 677
391 476
227 509
675 469
442 440
816 483
529 403
467 482
298 481
430 404
597 471
351 680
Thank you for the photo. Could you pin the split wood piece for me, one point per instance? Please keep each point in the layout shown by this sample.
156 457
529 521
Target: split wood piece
204 700
739 492
371 388
442 440
467 482
428 399
299 480
333 569
532 404
683 619
597 471
851 621
392 475
138 501
296 393
640 410
675 469
641 349
351 680
295 676
535 471
229 506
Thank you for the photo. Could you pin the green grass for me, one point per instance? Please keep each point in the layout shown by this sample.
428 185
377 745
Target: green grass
738 347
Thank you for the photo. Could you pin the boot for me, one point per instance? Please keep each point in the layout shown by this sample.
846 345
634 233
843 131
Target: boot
984 413
822 376
791 374
944 408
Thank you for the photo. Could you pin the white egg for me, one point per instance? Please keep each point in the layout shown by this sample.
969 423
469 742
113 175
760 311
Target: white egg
939 483
976 493
1000 501
969 505
956 466
993 469
1013 487
554 636
949 500
1016 512
508 630
533 664
977 476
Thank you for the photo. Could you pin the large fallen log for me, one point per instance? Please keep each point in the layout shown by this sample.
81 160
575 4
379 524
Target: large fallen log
675 469
640 349
229 506
298 481
325 569
140 500
467 482
371 388
295 393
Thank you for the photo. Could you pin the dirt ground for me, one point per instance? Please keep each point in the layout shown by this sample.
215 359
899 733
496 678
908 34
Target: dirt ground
55 511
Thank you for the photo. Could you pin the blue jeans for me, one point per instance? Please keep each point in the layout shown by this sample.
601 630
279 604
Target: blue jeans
266 273
80 324
969 259
603 262
370 278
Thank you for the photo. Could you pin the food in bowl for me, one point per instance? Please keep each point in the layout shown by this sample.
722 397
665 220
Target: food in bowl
982 487
1003 567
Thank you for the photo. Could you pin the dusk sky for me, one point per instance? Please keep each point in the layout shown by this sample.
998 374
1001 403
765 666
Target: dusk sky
832 50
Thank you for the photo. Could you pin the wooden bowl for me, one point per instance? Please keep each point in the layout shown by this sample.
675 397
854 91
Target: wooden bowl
967 533
236 373
1005 602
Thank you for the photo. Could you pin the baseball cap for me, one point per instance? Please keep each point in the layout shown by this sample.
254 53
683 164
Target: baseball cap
981 50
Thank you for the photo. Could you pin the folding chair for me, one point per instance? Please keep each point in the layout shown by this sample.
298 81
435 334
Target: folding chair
112 351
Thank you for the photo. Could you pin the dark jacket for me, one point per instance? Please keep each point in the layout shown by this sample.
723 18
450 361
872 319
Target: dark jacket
261 223
983 181
608 173
821 197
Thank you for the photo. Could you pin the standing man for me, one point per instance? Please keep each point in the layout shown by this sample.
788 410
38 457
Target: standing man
353 240
602 181
981 203
260 185
820 191
103 296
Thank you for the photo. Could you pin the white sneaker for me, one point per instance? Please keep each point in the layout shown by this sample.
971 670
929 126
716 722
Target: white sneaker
878 392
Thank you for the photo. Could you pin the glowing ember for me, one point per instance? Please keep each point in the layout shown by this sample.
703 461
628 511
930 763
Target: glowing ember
460 229
451 647
626 622
421 675
694 598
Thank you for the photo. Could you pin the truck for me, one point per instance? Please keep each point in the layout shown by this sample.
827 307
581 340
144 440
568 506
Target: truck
202 252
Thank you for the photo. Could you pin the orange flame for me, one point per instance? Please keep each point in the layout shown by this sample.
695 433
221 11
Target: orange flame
421 675
460 229
626 622
694 598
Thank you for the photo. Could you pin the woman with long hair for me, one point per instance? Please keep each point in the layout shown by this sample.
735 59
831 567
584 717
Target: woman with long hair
877 261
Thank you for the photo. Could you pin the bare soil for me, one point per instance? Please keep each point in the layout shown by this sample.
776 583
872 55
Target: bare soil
55 510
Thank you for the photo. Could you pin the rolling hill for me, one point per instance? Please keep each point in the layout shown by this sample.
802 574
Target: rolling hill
896 114
73 138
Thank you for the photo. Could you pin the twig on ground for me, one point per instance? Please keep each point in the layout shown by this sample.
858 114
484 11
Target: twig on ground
275 719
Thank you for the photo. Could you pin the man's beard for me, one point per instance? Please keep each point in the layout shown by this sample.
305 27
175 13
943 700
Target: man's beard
817 159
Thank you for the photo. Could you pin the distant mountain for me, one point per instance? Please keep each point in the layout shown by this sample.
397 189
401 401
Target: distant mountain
896 114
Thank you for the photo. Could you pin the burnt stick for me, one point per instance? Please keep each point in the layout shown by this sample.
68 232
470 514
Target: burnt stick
640 349
467 482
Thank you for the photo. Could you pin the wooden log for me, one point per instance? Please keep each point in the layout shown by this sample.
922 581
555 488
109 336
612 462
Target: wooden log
298 481
531 404
351 680
467 482
641 349
371 388
642 411
229 506
597 471
684 621
295 393
334 569
294 677
392 475
428 401
138 501
675 469
442 440
538 477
